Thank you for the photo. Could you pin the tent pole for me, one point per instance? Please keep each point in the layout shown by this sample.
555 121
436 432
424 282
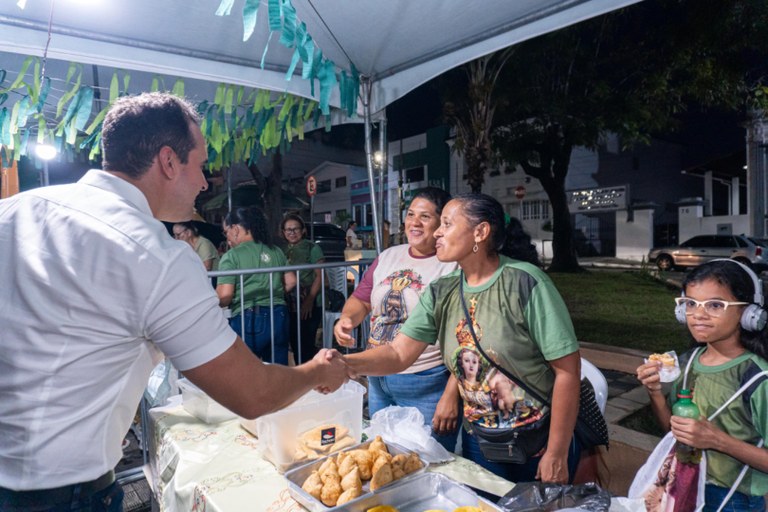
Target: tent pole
229 189
365 85
383 171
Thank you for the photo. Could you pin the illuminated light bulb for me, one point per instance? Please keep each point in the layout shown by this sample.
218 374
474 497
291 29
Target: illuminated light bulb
45 151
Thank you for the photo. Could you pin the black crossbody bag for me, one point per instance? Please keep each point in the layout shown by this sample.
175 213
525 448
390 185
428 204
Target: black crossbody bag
517 445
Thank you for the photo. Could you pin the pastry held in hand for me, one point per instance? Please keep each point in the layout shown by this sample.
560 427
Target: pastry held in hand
670 367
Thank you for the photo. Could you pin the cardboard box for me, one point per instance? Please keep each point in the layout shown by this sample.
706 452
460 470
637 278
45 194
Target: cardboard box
312 427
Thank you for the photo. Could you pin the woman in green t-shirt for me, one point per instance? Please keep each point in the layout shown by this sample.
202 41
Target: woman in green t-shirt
300 251
252 248
501 303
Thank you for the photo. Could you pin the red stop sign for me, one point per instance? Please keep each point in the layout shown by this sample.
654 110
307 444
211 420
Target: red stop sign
520 192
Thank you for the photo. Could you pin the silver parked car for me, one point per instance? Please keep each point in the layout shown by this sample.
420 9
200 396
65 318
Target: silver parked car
703 248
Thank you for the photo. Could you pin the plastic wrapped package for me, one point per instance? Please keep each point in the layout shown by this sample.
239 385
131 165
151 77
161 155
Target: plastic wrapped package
536 496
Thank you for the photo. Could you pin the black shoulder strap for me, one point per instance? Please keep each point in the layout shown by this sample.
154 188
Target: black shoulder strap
477 344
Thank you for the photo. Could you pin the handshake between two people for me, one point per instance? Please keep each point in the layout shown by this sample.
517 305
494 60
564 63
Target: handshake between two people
335 370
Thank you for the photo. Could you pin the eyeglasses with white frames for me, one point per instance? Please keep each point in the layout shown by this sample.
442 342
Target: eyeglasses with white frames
713 307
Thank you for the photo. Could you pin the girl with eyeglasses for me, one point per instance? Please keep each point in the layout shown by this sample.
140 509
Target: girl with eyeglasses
252 247
299 251
718 305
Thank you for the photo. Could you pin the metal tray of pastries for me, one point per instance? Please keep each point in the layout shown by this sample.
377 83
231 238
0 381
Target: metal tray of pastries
338 481
431 492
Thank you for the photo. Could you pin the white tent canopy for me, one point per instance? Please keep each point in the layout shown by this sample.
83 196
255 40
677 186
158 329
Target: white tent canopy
395 45
399 44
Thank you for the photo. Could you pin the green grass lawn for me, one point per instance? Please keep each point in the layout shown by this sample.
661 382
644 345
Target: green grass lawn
623 308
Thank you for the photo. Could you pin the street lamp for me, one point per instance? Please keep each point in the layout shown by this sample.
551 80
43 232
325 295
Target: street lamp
45 152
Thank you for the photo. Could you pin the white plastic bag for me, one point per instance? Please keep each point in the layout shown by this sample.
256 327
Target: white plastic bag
662 478
405 426
162 384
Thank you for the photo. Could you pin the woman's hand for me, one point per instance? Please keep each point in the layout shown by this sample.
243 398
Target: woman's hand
307 305
343 332
446 417
648 375
502 393
553 469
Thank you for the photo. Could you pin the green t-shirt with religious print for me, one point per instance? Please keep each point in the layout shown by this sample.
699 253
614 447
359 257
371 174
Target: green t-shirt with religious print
521 322
250 255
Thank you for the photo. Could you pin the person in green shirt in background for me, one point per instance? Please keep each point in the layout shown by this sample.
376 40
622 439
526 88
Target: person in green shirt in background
266 329
188 232
300 251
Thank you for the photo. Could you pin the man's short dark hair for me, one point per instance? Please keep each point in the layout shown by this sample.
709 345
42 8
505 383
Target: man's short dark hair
137 127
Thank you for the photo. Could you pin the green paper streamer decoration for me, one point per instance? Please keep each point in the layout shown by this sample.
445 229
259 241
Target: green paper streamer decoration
225 7
250 11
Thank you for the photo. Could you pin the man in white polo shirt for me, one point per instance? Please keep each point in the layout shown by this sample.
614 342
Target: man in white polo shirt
95 289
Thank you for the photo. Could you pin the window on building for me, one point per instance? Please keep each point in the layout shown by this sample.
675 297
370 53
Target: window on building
535 209
341 182
323 186
414 174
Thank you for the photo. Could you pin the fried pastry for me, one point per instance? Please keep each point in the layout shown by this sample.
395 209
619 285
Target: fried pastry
364 461
382 477
349 495
313 485
331 491
316 440
413 463
378 444
380 461
345 442
347 464
352 479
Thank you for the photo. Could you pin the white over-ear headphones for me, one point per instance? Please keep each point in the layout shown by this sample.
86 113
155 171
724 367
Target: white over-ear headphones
754 316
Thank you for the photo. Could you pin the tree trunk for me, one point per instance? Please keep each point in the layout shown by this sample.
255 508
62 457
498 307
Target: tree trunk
563 248
475 170
564 257
273 197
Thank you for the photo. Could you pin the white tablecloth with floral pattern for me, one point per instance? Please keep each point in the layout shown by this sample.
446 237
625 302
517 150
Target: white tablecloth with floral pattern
199 467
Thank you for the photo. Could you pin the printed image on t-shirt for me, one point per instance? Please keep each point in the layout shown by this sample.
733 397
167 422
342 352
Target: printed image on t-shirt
393 307
478 379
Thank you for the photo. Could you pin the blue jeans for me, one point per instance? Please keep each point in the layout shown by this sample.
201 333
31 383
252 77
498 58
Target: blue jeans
514 472
109 499
421 390
714 495
258 334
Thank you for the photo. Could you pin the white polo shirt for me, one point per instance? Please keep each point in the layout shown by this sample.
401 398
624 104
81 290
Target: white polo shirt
91 286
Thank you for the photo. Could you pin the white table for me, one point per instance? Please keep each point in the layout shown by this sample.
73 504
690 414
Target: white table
199 467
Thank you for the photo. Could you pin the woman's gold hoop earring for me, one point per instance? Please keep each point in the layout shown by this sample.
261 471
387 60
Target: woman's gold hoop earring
475 248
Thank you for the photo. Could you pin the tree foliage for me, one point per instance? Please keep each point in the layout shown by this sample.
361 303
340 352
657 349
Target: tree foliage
472 114
629 72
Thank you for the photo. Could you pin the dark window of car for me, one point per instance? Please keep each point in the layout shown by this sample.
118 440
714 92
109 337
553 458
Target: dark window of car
723 242
327 231
741 242
323 186
697 241
341 182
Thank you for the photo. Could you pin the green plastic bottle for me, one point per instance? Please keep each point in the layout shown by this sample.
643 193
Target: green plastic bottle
686 408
